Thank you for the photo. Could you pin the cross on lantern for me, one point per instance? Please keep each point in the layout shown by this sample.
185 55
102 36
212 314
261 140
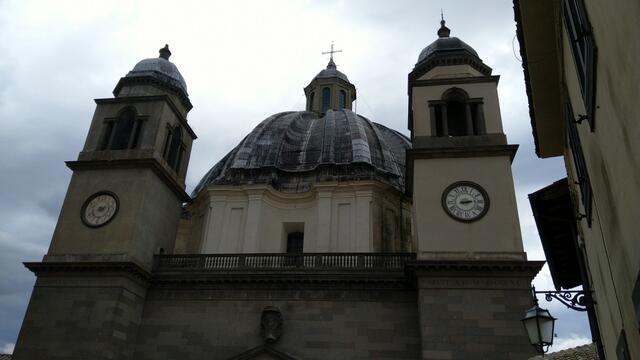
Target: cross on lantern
331 52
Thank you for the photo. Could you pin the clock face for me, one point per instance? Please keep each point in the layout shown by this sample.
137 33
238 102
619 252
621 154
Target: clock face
465 201
99 209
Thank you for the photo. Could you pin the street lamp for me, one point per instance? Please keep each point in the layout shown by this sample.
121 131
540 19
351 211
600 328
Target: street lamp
539 324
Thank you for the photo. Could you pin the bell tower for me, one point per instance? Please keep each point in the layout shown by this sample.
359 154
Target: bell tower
127 188
471 271
460 164
122 206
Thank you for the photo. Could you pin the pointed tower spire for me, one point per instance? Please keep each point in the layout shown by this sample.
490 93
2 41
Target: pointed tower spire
443 31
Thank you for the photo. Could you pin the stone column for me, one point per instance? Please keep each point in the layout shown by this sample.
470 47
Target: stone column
468 119
445 125
434 120
482 127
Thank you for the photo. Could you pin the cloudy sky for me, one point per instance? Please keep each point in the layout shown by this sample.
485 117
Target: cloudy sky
242 60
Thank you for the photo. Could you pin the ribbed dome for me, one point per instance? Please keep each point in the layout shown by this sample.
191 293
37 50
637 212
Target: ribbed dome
161 69
293 150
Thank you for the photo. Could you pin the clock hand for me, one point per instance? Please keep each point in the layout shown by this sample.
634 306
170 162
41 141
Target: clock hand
465 201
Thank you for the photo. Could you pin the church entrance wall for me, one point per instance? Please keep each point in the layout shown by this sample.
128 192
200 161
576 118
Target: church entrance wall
340 322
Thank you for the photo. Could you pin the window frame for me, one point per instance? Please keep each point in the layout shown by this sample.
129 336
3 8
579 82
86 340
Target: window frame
584 51
174 151
580 165
326 99
112 125
342 99
295 243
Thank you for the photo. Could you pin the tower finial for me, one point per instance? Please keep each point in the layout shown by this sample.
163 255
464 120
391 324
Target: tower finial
331 64
443 31
164 52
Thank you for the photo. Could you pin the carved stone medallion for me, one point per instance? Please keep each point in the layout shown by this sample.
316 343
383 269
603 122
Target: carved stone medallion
271 324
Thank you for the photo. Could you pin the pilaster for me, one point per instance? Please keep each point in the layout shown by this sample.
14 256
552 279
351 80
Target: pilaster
252 227
323 239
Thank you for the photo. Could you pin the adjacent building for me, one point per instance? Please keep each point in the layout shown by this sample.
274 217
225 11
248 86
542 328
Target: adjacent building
580 60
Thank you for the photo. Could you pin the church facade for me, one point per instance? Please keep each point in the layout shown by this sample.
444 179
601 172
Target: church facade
322 234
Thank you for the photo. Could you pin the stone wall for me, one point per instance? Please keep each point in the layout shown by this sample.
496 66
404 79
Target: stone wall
224 321
409 310
78 318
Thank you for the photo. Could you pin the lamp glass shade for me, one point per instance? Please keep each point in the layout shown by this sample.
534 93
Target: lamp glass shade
539 325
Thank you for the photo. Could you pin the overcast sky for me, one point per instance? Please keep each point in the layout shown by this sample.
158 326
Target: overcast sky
242 61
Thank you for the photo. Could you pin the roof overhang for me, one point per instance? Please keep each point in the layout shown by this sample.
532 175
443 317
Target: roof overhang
539 31
555 220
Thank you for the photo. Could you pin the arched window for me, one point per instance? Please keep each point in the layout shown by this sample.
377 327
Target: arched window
456 103
122 132
174 149
457 115
123 129
326 99
343 99
311 98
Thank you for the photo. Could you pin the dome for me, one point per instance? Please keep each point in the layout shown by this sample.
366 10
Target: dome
293 150
446 51
161 69
446 46
331 72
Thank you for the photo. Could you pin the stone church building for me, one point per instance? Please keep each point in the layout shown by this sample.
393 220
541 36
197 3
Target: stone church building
321 235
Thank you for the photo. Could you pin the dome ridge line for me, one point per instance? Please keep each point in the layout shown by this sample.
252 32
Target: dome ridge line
356 125
387 157
305 144
330 122
282 137
324 136
245 144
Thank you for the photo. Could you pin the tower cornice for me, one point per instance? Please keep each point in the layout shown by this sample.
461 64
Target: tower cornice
151 163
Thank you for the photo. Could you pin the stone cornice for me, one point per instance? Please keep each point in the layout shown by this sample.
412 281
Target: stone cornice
318 190
454 81
474 268
152 164
252 279
150 80
457 152
138 99
94 268
443 273
435 61
285 279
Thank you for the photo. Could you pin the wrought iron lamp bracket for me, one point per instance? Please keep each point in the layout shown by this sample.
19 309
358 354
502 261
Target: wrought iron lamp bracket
581 118
575 300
